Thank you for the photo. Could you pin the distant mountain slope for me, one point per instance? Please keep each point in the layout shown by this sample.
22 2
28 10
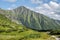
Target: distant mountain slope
7 25
32 19
35 20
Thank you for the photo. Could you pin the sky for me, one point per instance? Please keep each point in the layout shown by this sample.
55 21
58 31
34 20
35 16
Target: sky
49 8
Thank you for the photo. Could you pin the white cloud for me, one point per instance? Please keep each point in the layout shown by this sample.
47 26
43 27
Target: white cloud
52 13
37 1
9 8
46 6
53 4
49 9
10 0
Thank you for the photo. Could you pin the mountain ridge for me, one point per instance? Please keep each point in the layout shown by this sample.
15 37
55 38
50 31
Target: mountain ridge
32 19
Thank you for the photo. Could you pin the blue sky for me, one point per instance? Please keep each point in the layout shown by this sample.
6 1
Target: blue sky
49 8
5 4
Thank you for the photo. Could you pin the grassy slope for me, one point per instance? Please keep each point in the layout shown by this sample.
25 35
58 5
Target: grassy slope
12 31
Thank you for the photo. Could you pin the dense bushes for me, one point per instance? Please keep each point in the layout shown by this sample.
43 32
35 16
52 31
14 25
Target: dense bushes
30 36
55 32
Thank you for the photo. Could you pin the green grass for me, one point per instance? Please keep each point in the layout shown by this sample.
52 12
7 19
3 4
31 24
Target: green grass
25 36
11 31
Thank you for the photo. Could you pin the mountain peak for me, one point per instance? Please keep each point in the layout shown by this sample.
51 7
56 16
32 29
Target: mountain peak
20 7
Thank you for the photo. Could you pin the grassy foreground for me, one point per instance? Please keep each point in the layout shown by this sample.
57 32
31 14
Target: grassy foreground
12 31
26 35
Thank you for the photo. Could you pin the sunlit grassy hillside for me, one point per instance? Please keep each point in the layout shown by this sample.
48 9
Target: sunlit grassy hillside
11 31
